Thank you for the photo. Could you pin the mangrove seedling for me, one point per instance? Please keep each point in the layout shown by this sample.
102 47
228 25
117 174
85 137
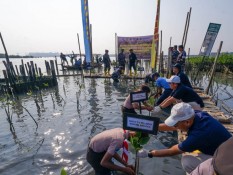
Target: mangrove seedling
138 140
63 171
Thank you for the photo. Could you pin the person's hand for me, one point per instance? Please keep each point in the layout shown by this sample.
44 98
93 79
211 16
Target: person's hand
131 166
157 109
149 108
143 153
156 95
129 170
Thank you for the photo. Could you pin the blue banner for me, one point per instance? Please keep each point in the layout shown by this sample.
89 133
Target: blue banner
86 30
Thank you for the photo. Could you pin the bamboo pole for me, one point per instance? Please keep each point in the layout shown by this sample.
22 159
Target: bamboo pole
56 65
33 70
53 72
116 49
36 69
7 58
187 29
214 67
92 61
80 54
160 52
17 71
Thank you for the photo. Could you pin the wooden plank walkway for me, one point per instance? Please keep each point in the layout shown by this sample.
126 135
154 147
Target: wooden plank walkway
109 76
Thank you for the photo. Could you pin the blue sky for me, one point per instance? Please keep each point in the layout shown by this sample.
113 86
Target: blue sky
52 25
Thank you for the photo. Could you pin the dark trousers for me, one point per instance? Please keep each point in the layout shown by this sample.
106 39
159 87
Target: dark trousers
107 67
132 65
122 65
126 110
94 160
164 95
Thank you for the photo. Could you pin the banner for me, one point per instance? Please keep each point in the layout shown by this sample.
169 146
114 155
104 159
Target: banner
86 29
209 39
141 45
155 45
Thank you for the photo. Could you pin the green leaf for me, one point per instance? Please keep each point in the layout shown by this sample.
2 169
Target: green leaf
29 92
144 140
63 171
138 134
46 84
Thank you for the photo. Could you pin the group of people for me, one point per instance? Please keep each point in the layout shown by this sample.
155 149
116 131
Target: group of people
132 61
121 62
207 139
178 56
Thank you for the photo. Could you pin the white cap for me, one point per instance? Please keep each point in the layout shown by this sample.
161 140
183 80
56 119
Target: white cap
174 79
180 112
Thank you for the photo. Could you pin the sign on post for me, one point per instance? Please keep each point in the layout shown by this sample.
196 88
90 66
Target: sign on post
209 39
141 123
138 96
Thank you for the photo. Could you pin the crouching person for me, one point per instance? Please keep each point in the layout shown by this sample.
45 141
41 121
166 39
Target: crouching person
117 74
204 133
104 146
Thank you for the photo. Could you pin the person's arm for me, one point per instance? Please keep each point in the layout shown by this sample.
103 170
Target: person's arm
174 150
159 90
105 162
119 159
168 101
164 127
145 106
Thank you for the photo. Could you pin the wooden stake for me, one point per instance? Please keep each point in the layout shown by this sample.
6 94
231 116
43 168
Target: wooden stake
7 58
56 65
214 67
80 54
186 22
187 27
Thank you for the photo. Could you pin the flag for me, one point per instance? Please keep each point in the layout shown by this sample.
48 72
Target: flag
125 152
86 29
155 42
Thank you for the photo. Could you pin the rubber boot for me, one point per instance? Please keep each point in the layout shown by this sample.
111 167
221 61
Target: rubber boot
105 73
130 73
135 73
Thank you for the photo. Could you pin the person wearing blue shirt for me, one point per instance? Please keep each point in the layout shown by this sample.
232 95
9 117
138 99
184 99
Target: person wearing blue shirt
151 78
161 83
107 63
132 62
180 93
175 54
117 74
78 62
204 133
183 77
181 57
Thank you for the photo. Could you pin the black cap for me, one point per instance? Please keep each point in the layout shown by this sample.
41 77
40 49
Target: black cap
177 65
145 88
156 74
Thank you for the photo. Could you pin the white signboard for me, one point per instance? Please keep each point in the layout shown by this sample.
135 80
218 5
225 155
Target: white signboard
138 96
209 39
140 124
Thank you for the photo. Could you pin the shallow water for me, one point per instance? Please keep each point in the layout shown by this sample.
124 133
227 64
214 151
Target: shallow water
68 116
